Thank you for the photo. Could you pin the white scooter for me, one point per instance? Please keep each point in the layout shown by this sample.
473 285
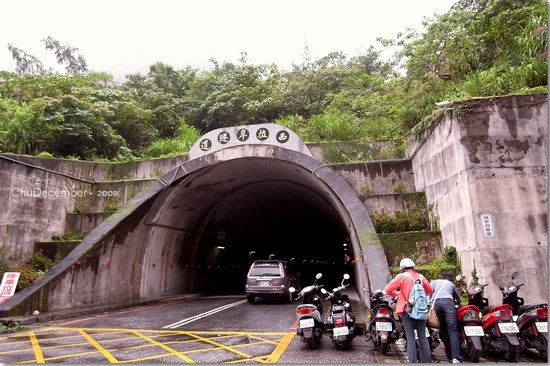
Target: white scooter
310 314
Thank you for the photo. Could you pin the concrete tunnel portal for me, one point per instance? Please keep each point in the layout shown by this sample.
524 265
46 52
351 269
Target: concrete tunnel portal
244 193
233 203
234 212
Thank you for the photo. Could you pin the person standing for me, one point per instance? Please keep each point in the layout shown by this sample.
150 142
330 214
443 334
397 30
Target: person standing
445 299
346 266
401 286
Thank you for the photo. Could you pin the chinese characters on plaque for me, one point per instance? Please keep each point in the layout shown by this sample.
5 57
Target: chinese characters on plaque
243 135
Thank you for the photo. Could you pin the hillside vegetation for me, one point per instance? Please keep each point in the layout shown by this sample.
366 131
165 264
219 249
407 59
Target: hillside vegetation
478 48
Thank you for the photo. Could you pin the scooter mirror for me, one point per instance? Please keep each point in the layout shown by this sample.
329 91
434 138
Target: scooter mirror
323 291
318 275
364 289
515 275
458 278
291 289
478 275
346 276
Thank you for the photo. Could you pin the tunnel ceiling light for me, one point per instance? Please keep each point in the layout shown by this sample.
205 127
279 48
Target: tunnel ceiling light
220 247
345 245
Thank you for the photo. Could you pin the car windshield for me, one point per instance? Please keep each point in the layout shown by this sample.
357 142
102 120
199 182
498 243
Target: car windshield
265 271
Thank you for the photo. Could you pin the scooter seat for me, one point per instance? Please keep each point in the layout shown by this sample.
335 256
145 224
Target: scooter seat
528 307
338 309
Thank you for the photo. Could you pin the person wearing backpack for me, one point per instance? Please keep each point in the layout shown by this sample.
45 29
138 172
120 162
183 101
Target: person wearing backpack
412 307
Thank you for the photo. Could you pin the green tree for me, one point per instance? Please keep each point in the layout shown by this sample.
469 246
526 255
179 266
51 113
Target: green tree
79 129
20 131
161 91
232 95
65 54
123 113
26 63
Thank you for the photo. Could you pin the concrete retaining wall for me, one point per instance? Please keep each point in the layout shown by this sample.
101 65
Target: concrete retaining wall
483 165
37 200
378 177
84 222
24 218
393 202
100 171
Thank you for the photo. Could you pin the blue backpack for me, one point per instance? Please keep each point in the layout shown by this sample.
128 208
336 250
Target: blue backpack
418 302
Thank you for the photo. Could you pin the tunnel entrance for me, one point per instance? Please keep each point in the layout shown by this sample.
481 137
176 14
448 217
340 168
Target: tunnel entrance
270 209
233 203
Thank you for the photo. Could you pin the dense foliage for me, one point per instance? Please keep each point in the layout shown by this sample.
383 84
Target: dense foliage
30 270
478 48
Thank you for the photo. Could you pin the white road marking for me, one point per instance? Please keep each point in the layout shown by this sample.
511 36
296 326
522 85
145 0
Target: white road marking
203 315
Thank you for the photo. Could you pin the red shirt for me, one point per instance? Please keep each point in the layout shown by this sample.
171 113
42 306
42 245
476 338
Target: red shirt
402 285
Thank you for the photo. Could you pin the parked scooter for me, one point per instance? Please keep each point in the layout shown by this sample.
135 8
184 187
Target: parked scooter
476 297
510 294
470 331
532 320
383 327
500 331
310 314
533 327
340 322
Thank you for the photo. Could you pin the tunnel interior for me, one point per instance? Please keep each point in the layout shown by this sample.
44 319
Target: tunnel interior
234 212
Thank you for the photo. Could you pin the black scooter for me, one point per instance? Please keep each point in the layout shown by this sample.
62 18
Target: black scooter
532 320
383 327
340 322
510 294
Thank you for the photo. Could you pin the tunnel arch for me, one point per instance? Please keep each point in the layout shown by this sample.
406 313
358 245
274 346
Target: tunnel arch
237 198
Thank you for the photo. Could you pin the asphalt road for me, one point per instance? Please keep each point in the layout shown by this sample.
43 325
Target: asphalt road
203 330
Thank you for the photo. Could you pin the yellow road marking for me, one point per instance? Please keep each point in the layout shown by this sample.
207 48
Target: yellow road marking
145 358
216 348
93 336
227 348
39 357
62 357
274 356
263 340
98 346
163 346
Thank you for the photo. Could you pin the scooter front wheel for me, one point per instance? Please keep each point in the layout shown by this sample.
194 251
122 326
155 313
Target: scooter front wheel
543 348
472 354
312 342
344 345
509 350
384 348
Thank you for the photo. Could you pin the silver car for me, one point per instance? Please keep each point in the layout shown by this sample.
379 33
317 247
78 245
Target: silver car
270 279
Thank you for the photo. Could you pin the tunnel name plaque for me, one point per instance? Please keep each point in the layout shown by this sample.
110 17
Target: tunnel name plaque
264 134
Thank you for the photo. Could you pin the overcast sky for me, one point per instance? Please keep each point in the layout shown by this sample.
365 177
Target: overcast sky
126 36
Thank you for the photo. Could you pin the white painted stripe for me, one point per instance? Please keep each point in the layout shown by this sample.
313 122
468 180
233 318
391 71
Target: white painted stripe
203 315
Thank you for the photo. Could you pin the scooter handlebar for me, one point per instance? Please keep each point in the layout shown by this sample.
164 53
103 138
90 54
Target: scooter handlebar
335 290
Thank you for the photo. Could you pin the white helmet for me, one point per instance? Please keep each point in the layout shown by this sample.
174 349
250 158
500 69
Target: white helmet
406 263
